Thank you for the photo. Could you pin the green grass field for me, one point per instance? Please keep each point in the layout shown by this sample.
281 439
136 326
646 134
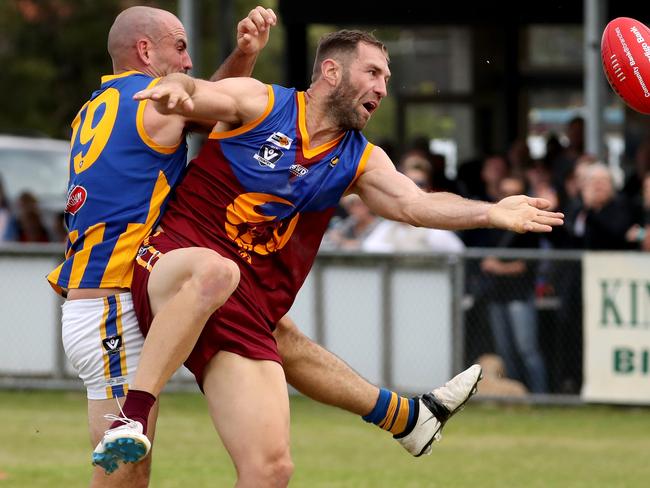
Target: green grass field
43 443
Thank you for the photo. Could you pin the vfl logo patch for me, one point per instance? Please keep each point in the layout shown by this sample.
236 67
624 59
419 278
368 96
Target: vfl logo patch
268 155
76 199
119 380
334 161
280 140
298 170
112 344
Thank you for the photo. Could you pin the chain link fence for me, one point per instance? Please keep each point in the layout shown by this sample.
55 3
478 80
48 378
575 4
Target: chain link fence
405 322
526 308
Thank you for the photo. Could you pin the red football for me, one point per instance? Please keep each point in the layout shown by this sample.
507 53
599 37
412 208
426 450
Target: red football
625 51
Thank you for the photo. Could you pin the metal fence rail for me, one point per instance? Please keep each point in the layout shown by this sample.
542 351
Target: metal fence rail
532 318
405 321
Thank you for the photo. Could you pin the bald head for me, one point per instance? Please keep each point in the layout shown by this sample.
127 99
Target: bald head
129 27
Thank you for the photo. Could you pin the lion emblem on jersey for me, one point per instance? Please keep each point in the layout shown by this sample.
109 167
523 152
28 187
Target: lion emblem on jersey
260 223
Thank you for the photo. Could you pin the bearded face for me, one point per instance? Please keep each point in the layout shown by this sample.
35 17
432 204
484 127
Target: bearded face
343 107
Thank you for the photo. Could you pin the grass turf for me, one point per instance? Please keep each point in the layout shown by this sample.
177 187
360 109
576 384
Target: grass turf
44 443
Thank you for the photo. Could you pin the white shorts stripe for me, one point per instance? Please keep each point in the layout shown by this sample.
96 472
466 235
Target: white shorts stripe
102 339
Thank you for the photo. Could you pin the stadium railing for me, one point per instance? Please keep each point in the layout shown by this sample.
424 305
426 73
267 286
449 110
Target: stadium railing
404 321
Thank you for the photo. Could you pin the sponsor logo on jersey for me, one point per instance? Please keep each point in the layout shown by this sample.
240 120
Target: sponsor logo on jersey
112 344
298 170
334 161
268 155
280 140
76 199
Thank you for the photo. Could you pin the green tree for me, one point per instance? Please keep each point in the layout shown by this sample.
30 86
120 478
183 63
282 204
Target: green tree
54 53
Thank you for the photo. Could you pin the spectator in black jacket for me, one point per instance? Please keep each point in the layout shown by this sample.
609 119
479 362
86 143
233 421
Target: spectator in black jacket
602 217
510 290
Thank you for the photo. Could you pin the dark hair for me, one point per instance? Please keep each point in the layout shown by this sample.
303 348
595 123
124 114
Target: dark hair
341 44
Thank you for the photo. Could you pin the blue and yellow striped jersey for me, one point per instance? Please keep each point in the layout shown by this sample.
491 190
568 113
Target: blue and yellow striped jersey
119 183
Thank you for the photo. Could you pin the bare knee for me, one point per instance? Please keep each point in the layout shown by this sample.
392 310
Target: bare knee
281 471
214 281
286 328
292 343
270 472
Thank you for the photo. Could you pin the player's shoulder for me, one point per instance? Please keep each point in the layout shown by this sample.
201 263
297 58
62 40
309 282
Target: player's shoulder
128 78
378 158
244 85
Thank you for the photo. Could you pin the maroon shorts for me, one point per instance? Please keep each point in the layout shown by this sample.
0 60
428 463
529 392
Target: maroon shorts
238 326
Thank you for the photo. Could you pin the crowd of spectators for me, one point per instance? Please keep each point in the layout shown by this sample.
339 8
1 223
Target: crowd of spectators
506 293
599 214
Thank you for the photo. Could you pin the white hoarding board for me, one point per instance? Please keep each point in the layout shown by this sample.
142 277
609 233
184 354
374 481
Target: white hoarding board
616 290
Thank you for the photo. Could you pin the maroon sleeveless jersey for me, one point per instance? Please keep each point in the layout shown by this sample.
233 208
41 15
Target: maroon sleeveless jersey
259 195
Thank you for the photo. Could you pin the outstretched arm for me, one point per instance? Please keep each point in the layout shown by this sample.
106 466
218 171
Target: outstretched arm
394 196
233 101
252 36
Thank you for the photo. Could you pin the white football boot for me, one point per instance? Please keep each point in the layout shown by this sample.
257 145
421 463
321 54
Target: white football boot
434 409
124 443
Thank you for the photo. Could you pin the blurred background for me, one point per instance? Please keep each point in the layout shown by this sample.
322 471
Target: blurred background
485 101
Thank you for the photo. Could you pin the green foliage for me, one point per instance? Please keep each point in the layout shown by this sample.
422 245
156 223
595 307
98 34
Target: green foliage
53 54
268 68
44 443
